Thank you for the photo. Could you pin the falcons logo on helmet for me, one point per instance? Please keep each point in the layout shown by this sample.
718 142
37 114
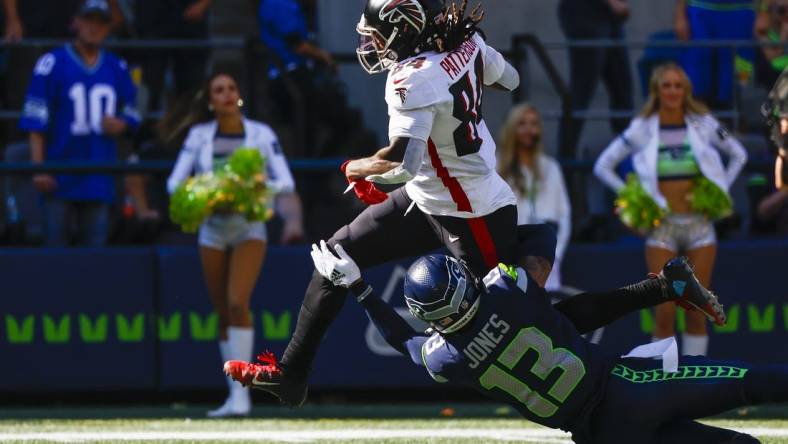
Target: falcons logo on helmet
394 11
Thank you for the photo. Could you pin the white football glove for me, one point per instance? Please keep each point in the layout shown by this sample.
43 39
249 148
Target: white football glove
342 271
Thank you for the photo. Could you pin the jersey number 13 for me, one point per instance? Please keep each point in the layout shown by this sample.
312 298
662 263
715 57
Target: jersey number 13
549 359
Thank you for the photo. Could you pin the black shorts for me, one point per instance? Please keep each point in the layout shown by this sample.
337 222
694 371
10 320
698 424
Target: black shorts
384 232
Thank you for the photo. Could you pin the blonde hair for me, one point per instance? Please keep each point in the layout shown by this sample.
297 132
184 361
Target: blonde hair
691 104
509 161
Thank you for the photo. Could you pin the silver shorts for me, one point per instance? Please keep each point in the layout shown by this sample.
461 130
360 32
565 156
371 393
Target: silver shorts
229 230
681 233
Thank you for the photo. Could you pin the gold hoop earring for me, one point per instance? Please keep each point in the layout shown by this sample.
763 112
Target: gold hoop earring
240 103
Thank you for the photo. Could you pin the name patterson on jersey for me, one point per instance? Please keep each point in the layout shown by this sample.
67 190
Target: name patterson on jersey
455 61
486 340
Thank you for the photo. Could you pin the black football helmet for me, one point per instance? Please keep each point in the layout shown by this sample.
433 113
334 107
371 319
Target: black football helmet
441 291
392 30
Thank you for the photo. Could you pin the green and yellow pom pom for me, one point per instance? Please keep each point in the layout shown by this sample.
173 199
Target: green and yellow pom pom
709 200
237 186
636 209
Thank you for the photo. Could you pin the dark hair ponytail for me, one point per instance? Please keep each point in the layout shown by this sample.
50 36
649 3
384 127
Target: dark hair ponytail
188 111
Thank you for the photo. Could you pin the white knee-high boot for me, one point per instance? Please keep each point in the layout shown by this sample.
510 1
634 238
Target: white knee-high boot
238 346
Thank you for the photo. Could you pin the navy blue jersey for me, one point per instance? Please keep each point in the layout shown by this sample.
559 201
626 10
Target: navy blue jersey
521 351
67 101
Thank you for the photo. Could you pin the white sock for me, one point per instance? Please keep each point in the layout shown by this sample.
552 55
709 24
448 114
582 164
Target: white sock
694 345
227 355
241 340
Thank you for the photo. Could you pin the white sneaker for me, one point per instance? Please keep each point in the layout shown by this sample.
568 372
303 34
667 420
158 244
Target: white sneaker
235 405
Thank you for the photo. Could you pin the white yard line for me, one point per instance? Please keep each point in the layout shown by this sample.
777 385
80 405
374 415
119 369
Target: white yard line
526 435
523 435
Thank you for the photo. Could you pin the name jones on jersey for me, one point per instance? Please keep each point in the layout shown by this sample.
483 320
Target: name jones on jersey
485 342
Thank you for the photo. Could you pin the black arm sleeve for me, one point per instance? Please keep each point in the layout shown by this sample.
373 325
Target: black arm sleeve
395 330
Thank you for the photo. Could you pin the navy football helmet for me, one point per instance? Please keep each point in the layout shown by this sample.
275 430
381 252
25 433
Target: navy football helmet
393 30
440 290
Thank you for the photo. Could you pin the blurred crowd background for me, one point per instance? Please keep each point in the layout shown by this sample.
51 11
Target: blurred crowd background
584 64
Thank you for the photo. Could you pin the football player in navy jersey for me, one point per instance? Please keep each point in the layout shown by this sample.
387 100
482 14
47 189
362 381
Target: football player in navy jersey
438 65
501 336
79 100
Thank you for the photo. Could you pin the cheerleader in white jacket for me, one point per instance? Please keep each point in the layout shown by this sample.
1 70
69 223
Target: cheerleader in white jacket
232 249
673 142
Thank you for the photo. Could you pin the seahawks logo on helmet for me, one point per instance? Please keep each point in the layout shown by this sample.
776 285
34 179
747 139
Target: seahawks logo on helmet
409 10
439 291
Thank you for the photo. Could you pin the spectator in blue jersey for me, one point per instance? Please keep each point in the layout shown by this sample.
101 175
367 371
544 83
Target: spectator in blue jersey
299 67
284 30
35 19
712 70
80 99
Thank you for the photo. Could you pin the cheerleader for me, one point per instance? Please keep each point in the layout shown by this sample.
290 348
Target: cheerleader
232 249
672 143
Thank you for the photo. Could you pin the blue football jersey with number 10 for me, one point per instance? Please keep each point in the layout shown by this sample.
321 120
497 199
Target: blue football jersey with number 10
67 101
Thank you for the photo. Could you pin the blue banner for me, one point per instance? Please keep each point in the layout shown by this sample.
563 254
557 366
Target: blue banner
77 319
747 277
188 330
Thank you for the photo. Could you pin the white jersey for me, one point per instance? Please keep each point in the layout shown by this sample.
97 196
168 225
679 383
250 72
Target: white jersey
437 98
197 154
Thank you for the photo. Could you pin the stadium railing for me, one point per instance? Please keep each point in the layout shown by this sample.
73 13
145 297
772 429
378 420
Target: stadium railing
525 49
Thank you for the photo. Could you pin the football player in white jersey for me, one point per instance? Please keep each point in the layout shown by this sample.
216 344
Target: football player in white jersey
440 148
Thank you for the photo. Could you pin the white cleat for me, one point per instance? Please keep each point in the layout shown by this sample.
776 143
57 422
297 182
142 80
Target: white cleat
233 407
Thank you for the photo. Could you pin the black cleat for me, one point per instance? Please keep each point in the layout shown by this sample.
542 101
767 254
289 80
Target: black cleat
688 292
267 377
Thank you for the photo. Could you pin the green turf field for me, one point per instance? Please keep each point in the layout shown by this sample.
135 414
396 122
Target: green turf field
322 424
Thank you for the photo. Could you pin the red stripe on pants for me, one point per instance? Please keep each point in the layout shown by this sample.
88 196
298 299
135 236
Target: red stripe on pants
481 234
455 189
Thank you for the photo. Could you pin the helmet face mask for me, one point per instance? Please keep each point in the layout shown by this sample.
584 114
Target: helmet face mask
374 49
439 290
390 31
